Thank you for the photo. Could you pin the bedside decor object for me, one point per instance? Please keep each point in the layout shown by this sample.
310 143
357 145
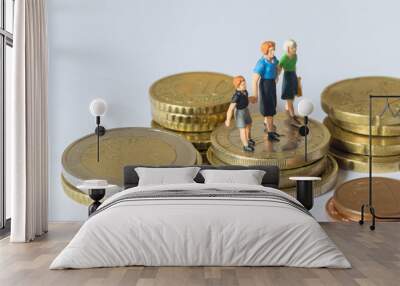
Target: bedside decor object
96 190
305 108
304 190
120 147
372 117
98 108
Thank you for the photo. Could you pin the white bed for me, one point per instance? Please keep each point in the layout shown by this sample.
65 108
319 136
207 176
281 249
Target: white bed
205 230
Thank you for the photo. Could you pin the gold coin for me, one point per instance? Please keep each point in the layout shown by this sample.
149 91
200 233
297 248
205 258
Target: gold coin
385 130
82 198
328 179
74 193
201 147
199 158
192 93
200 140
204 157
314 169
348 100
188 123
349 197
286 154
214 160
359 144
124 146
359 163
333 212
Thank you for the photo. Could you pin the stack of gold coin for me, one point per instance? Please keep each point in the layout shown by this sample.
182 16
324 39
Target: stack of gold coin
345 205
200 140
120 147
347 105
191 105
288 153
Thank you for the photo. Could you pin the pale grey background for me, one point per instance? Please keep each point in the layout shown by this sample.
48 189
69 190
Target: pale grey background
116 49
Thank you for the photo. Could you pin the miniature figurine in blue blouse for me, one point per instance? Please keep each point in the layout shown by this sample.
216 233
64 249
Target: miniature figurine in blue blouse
239 103
290 84
266 73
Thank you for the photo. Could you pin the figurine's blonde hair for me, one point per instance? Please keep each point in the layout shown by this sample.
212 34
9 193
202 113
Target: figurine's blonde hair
289 44
266 46
237 81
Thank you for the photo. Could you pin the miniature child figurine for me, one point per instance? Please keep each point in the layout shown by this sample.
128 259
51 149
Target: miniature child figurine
240 101
290 84
266 73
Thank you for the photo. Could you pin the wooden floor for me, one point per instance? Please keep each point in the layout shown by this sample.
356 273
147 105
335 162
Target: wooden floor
375 257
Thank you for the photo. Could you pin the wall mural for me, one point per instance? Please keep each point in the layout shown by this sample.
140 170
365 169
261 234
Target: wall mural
209 118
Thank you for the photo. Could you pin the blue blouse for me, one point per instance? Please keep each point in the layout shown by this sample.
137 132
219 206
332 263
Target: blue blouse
267 69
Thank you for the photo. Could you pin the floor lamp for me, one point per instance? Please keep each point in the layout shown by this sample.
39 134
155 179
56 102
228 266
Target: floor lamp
370 202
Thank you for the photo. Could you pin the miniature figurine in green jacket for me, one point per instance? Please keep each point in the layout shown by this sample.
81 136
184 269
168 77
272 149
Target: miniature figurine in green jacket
290 84
239 104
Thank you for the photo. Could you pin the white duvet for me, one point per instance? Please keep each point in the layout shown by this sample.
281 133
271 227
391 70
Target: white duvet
200 231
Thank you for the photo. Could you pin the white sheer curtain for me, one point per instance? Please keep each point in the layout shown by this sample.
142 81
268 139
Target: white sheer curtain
26 129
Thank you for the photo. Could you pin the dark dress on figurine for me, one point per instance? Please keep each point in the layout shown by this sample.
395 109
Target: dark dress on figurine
290 82
267 69
242 113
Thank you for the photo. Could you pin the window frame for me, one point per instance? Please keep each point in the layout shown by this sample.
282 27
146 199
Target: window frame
6 39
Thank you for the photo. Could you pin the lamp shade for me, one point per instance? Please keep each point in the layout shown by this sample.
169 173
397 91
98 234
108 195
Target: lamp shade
98 107
305 107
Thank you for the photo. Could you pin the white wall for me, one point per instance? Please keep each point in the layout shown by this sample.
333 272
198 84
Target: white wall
116 48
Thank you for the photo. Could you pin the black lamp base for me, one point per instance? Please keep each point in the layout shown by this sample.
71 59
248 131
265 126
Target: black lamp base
96 195
100 130
305 194
304 130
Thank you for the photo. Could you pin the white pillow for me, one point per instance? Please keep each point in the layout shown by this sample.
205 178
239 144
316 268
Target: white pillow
166 176
248 177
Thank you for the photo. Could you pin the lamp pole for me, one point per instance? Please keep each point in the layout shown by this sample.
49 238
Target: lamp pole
98 137
99 131
305 137
305 108
98 108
